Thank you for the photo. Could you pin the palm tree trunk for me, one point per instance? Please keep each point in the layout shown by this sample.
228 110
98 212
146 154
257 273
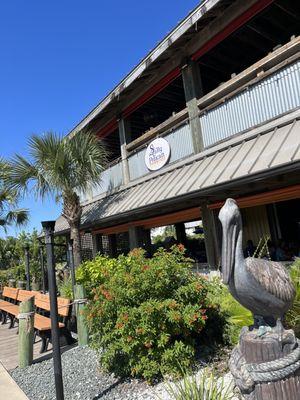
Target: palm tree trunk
75 236
72 212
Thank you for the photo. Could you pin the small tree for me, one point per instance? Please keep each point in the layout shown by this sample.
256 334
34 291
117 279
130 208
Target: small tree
62 167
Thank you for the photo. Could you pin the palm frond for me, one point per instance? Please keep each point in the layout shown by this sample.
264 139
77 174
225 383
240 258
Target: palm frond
18 217
88 157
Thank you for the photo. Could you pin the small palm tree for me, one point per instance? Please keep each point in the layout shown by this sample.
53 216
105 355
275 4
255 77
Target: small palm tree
62 167
9 213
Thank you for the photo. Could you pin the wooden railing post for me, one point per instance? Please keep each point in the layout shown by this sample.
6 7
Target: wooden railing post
26 332
82 330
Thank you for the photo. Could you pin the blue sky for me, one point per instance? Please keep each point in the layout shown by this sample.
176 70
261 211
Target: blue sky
60 58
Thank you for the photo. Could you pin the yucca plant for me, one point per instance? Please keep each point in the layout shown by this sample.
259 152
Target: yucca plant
205 386
62 167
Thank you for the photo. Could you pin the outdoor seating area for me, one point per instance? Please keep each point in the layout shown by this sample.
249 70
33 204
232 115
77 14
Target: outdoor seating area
9 309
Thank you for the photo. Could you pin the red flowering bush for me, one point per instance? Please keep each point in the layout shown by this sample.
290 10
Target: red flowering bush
145 314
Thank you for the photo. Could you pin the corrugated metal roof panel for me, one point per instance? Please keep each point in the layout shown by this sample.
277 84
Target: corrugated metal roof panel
243 157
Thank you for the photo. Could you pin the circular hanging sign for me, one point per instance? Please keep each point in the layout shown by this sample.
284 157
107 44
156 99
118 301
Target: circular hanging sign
157 154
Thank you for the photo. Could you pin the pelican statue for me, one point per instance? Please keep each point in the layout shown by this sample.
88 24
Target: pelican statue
263 287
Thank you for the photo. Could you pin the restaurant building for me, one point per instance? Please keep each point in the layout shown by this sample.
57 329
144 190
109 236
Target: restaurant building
213 111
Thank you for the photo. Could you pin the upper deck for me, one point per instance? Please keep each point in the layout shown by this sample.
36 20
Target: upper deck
264 91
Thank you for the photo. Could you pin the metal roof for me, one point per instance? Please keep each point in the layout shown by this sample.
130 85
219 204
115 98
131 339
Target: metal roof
267 147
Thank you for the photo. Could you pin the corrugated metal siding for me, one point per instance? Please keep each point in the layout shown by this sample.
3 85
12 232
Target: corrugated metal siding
111 179
136 165
255 224
268 99
181 145
181 142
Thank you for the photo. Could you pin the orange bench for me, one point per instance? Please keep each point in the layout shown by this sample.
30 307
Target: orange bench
8 303
13 310
42 323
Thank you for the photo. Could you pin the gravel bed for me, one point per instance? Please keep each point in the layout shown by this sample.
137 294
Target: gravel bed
84 380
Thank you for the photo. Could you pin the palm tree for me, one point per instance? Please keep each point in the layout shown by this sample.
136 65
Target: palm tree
62 167
9 213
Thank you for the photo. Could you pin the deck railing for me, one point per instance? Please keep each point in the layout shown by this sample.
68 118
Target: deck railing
255 104
111 179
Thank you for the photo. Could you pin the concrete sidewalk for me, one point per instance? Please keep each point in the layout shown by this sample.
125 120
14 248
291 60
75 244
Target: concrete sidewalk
8 388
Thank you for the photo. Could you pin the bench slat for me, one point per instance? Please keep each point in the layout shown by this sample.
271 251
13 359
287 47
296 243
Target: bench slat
11 293
24 295
43 323
43 301
9 307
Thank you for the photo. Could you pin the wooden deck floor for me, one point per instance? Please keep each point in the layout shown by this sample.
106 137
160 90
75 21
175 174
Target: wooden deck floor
9 348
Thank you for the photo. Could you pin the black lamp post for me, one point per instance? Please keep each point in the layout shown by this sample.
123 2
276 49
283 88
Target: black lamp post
27 266
48 227
42 268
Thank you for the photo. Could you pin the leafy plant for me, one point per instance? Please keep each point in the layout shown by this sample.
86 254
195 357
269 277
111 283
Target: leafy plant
65 288
292 318
204 387
236 315
145 314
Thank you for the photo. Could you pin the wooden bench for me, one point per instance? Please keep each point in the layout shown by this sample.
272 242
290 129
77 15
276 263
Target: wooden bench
42 323
13 311
8 303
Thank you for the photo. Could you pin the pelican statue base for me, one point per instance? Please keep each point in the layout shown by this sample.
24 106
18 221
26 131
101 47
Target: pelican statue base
266 362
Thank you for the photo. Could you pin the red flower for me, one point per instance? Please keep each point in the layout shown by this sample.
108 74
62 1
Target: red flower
181 247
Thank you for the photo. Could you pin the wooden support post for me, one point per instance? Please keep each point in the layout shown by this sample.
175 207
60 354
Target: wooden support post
274 372
193 91
180 233
97 244
135 237
147 244
26 332
82 330
211 245
112 239
124 135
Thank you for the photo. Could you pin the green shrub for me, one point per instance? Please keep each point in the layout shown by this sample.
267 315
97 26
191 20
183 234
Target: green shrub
236 315
292 318
145 314
204 387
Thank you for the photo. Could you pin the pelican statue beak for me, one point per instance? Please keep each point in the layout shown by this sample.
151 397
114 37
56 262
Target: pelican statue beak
229 227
